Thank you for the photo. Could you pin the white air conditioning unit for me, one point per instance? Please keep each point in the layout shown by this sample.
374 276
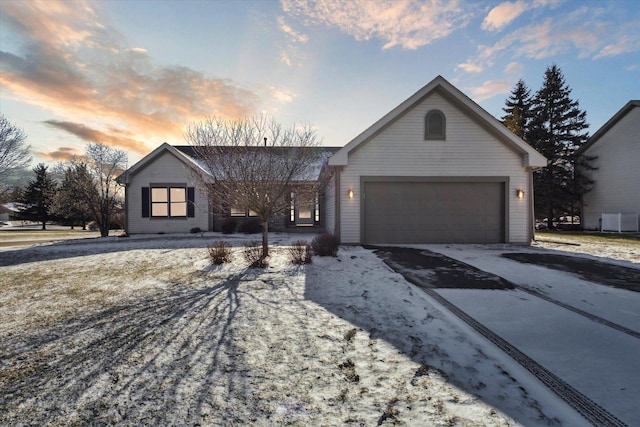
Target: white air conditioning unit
619 222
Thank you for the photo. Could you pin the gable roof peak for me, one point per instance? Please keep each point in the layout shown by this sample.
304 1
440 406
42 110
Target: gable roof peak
125 177
634 103
531 158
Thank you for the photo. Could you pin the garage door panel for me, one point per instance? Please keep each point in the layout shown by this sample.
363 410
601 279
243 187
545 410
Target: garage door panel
433 212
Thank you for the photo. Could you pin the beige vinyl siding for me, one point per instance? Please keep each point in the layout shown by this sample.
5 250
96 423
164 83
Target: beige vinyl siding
164 169
401 150
617 180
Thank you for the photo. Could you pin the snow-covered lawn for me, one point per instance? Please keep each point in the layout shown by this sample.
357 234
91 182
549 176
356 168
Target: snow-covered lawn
600 362
144 331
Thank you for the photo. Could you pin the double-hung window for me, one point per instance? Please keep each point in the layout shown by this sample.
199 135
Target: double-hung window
167 201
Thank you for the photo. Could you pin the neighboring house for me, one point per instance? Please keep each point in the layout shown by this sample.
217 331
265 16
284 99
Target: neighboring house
4 213
162 196
436 169
616 189
9 211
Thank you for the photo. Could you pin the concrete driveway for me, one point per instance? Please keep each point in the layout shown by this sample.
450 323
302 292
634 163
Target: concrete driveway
572 321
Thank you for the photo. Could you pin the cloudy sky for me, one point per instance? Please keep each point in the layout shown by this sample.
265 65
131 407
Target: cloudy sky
134 73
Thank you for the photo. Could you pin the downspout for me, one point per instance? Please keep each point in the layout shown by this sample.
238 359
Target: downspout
125 183
337 194
126 209
532 209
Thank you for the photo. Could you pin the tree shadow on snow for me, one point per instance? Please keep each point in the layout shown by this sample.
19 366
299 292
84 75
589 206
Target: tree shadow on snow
96 246
161 358
424 335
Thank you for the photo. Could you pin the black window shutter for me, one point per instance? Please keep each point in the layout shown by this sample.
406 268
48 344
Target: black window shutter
191 209
145 202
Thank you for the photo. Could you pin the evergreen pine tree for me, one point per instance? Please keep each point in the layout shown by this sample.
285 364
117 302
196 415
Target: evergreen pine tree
69 202
557 130
38 196
517 110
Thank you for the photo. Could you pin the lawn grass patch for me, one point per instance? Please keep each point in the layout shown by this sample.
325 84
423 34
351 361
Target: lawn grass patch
587 237
40 294
29 233
29 236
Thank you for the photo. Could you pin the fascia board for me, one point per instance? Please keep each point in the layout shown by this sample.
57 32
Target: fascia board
341 158
609 124
531 157
149 158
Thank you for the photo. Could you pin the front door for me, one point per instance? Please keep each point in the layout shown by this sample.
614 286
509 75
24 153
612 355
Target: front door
304 211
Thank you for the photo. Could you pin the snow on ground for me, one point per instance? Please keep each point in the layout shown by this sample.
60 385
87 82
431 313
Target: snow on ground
597 360
143 330
607 250
616 305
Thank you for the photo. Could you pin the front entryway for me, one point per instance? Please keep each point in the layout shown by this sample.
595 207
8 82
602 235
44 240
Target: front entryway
304 211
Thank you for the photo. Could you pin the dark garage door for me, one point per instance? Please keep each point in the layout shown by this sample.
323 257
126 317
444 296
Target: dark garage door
433 212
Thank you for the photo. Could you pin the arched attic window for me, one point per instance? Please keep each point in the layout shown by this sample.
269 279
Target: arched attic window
435 125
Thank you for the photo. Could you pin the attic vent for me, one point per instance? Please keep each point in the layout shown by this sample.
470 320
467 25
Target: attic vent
435 125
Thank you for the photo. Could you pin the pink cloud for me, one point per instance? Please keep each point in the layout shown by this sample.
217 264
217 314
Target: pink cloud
489 89
71 63
61 154
584 32
409 24
502 15
113 137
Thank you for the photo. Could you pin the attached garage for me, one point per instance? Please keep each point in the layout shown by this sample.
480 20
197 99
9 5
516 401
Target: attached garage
415 211
435 169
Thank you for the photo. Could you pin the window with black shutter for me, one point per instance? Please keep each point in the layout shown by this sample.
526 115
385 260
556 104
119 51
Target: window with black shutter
145 202
168 201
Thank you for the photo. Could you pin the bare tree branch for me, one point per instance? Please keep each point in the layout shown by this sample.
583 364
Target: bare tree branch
14 153
256 163
96 184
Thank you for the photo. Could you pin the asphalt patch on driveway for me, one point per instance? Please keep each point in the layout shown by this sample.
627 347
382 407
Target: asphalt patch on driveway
432 270
616 276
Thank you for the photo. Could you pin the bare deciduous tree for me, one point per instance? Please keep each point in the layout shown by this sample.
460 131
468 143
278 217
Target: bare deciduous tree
256 163
96 185
14 152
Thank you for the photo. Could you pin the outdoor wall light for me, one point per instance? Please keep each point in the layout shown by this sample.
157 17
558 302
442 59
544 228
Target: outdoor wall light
520 193
350 193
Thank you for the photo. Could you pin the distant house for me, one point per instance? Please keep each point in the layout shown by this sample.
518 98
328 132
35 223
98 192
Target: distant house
161 196
4 213
9 211
436 169
616 190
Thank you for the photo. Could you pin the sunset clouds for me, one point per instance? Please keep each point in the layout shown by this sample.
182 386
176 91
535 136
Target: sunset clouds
112 137
69 62
409 24
503 14
133 74
61 154
587 31
590 30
